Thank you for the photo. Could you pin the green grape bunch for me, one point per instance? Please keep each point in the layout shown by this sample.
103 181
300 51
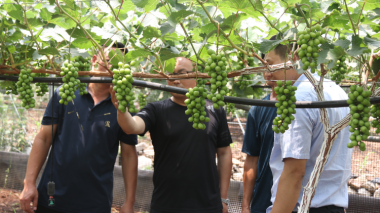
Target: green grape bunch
244 81
24 88
84 63
231 106
196 103
359 103
216 67
69 71
122 81
375 113
142 100
309 41
340 69
285 107
41 88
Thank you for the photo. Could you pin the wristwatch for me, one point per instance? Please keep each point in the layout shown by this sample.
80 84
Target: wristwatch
226 201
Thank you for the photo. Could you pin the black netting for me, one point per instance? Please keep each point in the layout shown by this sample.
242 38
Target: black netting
18 128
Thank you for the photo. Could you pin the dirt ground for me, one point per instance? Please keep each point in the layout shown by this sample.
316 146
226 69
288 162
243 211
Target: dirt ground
9 202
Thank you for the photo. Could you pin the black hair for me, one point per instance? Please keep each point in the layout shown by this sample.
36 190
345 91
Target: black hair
280 49
118 45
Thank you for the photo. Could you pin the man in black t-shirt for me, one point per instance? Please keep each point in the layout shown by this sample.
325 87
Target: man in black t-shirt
186 178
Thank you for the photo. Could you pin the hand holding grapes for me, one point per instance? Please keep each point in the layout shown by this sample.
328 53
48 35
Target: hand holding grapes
115 102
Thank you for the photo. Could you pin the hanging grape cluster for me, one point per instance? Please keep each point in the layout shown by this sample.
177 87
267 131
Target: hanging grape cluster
69 71
84 64
122 81
196 105
340 69
41 88
375 113
24 88
231 106
359 102
216 67
142 100
285 106
244 80
11 87
309 41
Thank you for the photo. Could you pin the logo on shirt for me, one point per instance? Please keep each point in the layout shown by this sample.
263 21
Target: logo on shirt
107 123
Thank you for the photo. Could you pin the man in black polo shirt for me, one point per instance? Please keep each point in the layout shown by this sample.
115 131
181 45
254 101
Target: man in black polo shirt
86 141
186 178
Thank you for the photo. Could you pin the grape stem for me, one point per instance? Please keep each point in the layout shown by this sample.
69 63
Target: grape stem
262 13
303 14
161 67
223 33
349 16
87 35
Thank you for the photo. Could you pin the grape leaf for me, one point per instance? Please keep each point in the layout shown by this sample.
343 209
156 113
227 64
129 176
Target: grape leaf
166 54
356 49
371 43
45 14
137 52
151 32
16 14
148 5
70 3
48 51
176 17
167 28
82 43
342 43
12 49
170 65
268 45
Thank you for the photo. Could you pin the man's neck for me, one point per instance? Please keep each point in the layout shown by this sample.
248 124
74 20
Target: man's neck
179 101
99 91
273 95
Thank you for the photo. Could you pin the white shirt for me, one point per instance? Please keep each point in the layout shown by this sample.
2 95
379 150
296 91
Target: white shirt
304 139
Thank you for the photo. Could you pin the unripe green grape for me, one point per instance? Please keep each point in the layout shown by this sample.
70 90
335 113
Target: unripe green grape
285 106
359 122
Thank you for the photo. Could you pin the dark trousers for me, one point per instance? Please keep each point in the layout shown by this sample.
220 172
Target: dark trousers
326 209
42 209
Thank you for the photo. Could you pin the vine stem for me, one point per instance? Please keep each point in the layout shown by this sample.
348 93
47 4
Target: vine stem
161 67
223 33
303 14
349 16
262 13
33 37
87 35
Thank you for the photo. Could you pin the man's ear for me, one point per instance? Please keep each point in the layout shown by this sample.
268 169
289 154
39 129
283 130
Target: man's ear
93 59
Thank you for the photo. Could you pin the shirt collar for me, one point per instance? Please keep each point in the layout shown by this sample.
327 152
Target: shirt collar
303 78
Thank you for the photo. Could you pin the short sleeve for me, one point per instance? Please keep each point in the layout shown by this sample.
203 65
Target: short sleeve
251 143
148 114
47 118
127 139
296 142
224 135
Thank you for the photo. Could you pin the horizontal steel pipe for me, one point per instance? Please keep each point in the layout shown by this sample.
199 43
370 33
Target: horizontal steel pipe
236 100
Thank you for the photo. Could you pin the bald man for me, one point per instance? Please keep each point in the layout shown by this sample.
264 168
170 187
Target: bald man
186 177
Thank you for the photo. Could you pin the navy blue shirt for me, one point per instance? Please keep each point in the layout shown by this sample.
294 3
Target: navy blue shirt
85 149
258 141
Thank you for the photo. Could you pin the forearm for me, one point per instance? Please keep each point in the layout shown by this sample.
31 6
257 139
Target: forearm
289 186
129 169
224 170
126 122
36 159
249 178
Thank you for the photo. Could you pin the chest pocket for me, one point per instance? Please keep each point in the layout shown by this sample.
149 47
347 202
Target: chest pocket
105 123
